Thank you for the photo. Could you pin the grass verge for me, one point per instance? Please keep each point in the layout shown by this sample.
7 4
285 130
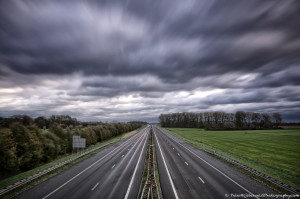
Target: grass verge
273 152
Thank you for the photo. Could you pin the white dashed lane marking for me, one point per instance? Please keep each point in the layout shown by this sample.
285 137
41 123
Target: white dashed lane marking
95 186
201 180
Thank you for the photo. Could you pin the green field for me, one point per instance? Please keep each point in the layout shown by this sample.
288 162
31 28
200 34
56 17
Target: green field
273 152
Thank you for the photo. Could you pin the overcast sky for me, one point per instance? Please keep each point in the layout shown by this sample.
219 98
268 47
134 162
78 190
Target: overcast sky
134 59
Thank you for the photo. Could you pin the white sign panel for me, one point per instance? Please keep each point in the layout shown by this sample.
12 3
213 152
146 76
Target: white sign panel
83 140
76 141
79 142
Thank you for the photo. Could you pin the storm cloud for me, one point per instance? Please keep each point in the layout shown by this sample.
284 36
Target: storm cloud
127 60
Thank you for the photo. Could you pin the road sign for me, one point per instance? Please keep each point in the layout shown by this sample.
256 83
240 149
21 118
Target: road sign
79 142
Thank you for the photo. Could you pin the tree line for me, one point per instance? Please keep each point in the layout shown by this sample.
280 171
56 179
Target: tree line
41 121
26 143
221 120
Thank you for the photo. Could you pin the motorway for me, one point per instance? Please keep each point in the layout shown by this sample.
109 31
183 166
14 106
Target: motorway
115 172
186 172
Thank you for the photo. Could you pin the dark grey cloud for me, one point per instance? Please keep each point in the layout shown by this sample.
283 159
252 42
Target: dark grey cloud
178 40
64 55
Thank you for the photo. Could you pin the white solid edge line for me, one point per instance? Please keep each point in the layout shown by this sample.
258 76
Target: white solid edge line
215 168
201 180
95 186
172 184
131 181
55 190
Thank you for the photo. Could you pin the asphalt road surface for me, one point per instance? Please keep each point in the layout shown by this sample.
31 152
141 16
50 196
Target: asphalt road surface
186 172
115 172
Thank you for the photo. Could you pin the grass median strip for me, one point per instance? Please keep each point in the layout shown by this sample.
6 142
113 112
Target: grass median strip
150 186
273 152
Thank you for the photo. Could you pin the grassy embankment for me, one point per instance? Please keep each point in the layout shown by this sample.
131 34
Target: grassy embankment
273 152
16 178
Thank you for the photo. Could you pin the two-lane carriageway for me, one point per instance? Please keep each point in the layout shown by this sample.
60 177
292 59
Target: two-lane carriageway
115 172
186 172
